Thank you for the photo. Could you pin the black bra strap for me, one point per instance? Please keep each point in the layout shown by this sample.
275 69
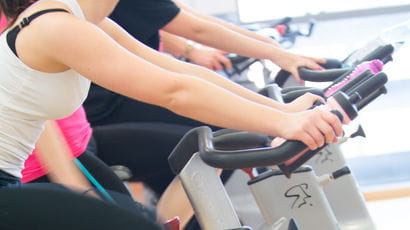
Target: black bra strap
12 34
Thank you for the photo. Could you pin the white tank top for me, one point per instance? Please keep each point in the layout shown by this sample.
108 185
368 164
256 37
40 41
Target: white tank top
28 98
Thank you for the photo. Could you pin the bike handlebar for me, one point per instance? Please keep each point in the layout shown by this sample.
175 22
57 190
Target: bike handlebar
382 53
290 96
232 153
244 158
327 75
332 72
232 149
238 149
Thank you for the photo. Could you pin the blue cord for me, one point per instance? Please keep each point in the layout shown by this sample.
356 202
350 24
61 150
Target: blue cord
90 177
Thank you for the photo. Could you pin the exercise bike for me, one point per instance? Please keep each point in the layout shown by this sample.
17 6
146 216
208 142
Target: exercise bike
381 47
352 212
208 196
331 154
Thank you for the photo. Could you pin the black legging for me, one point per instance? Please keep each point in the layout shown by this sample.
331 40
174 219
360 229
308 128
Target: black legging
50 206
107 178
99 170
142 147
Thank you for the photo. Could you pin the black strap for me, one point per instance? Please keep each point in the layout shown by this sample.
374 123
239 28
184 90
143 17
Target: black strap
12 34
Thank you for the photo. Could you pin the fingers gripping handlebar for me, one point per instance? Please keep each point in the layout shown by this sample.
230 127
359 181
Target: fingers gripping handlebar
349 105
236 149
344 83
335 69
256 156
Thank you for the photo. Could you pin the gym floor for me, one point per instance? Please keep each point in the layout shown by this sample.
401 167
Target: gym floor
379 161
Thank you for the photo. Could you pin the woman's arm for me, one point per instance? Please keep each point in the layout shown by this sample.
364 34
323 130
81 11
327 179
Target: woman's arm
230 26
207 57
83 47
173 65
217 36
54 154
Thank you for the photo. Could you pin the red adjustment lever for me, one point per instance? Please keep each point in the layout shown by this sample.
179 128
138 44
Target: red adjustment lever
172 224
249 171
282 29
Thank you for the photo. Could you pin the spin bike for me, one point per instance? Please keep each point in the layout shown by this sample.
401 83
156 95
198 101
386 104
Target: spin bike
200 151
330 161
351 213
343 209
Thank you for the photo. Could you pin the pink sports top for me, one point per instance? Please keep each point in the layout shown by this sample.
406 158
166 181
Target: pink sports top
77 132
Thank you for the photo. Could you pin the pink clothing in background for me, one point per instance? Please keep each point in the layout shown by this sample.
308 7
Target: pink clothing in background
77 133
3 22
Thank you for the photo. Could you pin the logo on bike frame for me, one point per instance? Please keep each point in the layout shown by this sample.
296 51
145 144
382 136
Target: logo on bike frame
300 194
324 156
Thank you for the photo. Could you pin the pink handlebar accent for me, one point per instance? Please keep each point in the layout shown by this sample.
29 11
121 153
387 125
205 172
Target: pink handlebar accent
375 66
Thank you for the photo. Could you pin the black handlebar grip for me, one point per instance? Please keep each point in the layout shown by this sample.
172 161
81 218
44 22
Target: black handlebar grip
331 63
254 157
237 59
240 140
341 172
240 150
201 139
367 87
245 158
364 102
383 53
292 95
327 75
293 88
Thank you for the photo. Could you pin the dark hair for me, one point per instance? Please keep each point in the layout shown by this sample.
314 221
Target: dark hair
12 8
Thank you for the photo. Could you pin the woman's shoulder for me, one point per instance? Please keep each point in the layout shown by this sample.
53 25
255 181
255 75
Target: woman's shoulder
71 6
44 5
63 7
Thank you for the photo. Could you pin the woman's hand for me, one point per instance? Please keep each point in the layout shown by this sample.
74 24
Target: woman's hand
291 63
313 127
210 58
303 102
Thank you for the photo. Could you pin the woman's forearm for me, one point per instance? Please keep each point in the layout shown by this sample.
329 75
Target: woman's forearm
241 30
174 45
203 101
181 67
216 36
233 87
55 156
229 25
